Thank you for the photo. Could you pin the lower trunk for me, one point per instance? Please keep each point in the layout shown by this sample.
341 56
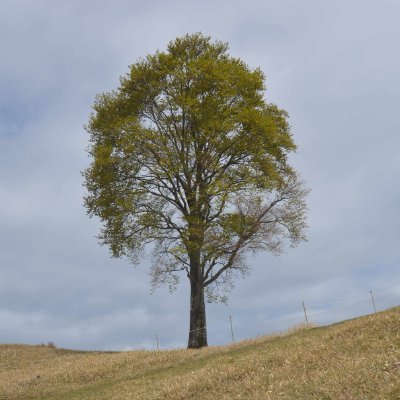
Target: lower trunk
197 331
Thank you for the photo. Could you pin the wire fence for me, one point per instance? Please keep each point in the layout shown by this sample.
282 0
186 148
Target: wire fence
370 302
319 313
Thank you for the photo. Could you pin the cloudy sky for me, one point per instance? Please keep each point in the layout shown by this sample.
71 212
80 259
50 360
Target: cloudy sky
333 65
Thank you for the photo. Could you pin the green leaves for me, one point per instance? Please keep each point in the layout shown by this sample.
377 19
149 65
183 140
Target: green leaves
186 135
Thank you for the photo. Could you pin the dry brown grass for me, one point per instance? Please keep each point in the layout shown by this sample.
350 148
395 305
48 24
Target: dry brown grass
356 359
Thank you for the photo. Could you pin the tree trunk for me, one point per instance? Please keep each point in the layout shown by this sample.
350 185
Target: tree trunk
197 331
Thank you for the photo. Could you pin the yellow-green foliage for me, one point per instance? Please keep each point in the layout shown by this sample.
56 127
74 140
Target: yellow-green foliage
356 359
184 153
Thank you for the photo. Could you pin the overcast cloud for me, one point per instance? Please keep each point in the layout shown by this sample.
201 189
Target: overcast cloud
334 66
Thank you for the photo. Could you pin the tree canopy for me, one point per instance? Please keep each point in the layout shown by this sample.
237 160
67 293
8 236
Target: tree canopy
188 155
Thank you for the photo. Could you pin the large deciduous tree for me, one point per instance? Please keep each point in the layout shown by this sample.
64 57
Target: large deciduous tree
188 155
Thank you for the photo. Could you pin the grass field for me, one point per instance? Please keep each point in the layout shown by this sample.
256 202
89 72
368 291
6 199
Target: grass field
355 359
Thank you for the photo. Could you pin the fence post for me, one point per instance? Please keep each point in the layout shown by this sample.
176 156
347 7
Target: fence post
305 313
230 320
158 349
373 301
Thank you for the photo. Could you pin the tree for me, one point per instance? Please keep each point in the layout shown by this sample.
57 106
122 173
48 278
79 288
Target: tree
187 155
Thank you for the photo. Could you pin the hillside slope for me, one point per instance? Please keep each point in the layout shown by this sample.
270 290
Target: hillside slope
355 359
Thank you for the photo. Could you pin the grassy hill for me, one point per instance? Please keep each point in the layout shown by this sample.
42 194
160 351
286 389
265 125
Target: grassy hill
355 359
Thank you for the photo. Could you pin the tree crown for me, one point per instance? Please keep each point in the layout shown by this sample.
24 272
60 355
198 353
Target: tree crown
188 154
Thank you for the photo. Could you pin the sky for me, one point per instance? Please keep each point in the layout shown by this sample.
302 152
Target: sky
333 65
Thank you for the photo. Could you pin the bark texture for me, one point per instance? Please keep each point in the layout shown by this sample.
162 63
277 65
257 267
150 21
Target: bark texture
197 330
